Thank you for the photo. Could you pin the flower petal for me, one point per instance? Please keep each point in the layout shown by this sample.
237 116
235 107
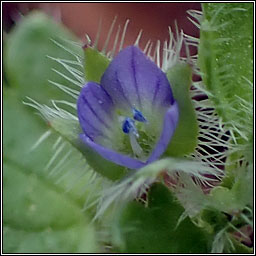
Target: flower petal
134 81
95 110
112 155
169 125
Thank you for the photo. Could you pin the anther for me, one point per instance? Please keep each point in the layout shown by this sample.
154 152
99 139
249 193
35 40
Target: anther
129 126
138 116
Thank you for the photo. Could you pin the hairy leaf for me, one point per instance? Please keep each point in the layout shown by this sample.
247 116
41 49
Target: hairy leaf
26 61
226 61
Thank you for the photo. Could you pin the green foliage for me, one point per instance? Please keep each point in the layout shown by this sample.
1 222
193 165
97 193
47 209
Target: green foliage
184 139
226 60
216 219
154 229
77 238
38 217
38 214
20 136
95 64
237 197
25 57
42 212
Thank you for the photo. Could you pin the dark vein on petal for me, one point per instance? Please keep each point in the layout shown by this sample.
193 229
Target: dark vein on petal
93 111
100 133
135 78
106 110
121 88
85 120
156 91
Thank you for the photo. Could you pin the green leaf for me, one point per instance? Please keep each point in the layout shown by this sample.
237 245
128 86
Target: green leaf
71 239
32 204
226 60
40 215
95 64
20 136
184 139
214 218
238 196
25 57
154 229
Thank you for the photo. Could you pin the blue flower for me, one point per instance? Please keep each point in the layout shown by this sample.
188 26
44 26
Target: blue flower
131 116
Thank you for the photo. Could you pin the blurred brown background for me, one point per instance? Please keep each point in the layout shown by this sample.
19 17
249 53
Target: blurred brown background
81 18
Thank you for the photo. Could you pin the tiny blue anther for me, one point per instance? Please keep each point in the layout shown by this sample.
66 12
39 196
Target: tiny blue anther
138 116
128 125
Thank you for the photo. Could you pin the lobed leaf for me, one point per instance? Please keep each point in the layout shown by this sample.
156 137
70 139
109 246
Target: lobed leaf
155 230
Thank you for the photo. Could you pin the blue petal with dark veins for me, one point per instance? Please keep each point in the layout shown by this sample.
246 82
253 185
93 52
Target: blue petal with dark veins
95 110
132 80
134 93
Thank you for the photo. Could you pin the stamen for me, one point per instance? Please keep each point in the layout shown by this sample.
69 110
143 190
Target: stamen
130 128
138 116
136 148
128 125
